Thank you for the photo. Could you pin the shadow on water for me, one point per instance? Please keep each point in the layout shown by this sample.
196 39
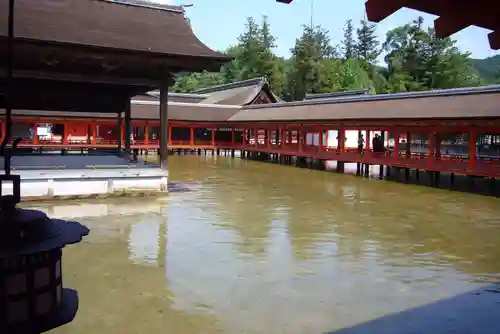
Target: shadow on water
475 312
462 183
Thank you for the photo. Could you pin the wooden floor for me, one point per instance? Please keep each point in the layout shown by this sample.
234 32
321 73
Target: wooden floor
483 166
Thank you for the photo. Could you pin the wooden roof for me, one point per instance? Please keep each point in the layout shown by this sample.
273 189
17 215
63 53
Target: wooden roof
237 93
454 15
197 112
463 103
107 24
146 110
85 55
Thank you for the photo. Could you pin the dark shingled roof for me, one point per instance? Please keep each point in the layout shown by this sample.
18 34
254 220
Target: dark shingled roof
477 102
237 93
107 24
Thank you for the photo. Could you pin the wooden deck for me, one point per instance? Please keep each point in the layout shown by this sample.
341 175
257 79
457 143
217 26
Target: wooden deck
458 164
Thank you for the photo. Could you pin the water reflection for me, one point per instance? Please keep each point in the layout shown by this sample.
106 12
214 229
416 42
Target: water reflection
261 248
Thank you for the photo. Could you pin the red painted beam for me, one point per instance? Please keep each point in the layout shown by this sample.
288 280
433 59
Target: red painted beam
377 10
447 25
494 38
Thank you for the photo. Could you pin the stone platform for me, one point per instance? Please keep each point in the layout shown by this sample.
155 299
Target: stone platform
77 176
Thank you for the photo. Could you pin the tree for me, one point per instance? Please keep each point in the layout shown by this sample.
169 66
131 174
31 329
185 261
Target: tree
415 60
367 46
418 60
348 44
309 51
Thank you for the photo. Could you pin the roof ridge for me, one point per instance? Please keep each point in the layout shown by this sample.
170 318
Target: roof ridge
231 85
384 97
337 94
150 4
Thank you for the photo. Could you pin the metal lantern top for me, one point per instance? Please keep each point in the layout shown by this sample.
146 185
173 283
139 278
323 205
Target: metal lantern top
32 297
25 232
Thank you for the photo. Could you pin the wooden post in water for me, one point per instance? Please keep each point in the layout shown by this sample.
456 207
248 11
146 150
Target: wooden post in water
164 125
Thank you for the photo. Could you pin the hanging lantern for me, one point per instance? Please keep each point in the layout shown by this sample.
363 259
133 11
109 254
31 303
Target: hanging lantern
284 1
32 297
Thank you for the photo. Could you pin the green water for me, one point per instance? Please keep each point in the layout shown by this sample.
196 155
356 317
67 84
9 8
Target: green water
249 247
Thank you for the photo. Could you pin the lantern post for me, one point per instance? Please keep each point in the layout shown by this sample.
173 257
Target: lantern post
32 297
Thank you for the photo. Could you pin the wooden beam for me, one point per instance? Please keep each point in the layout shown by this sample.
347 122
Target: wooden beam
85 78
377 10
449 24
494 38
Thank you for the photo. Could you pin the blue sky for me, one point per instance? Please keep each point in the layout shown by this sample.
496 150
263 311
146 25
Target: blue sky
219 22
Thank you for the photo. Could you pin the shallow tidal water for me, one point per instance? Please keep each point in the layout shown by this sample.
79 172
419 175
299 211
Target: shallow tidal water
250 247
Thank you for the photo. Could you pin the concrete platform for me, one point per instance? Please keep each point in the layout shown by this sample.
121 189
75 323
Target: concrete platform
76 176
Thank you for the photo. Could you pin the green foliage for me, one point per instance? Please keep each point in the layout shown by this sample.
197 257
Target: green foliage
488 68
414 60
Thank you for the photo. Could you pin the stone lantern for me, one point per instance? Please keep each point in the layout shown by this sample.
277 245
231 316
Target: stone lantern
32 297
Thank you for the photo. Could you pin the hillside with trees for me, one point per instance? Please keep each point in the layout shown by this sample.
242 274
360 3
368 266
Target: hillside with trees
414 60
488 68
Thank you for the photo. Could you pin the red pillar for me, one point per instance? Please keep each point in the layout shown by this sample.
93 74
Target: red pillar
35 134
65 134
300 135
438 145
431 146
213 136
233 142
3 130
191 136
396 146
408 145
341 140
93 128
472 148
146 135
169 135
368 141
268 138
283 136
320 140
256 136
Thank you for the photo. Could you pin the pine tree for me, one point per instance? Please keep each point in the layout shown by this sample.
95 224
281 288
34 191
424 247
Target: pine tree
367 46
348 44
